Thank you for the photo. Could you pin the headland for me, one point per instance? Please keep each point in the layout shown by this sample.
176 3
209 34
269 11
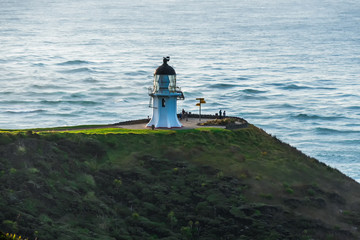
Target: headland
112 182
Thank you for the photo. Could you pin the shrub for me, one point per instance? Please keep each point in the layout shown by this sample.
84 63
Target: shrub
289 190
218 122
266 196
11 226
311 192
87 180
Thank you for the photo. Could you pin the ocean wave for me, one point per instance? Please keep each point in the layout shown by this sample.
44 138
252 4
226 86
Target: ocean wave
123 100
10 102
352 125
77 70
304 116
331 131
25 112
326 88
50 102
67 115
252 91
77 95
47 86
350 142
222 85
109 114
110 94
294 68
282 106
294 87
32 94
353 108
286 105
97 90
73 62
90 80
136 73
252 97
38 64
82 103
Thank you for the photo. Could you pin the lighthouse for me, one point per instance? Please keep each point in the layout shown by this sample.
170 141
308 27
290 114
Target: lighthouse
165 94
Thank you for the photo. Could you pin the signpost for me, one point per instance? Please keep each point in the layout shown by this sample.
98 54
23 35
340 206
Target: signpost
201 101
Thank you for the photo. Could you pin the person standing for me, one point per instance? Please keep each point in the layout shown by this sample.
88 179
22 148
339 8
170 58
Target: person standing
220 113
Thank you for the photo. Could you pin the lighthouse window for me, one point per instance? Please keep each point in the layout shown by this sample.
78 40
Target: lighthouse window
172 83
163 102
156 83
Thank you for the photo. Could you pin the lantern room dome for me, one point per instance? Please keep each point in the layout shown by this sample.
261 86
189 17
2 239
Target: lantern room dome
165 69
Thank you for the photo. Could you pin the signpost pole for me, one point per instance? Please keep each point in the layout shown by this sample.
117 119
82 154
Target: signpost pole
201 100
200 113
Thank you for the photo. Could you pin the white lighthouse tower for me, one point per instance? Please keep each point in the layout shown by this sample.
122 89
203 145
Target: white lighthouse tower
164 97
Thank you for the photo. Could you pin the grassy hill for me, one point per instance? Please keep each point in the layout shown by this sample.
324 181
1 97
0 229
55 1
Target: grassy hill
188 184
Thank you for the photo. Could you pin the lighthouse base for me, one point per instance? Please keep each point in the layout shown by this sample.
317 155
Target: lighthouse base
164 122
164 114
168 126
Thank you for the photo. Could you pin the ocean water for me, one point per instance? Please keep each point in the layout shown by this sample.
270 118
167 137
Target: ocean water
290 67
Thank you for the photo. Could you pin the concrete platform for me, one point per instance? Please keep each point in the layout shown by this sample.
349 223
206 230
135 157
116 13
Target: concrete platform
190 123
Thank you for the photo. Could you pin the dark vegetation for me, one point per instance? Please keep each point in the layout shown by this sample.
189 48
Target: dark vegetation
219 122
190 184
10 236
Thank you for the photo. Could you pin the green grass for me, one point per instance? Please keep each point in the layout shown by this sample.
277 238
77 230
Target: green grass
121 131
54 128
115 183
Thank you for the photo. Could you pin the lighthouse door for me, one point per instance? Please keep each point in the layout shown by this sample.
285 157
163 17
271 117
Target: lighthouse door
163 102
